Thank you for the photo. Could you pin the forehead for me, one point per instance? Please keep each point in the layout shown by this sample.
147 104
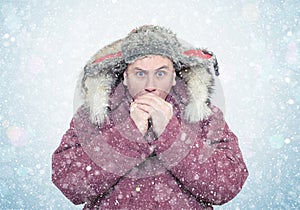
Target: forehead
152 62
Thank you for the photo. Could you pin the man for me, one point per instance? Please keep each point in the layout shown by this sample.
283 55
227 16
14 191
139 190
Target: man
147 136
149 81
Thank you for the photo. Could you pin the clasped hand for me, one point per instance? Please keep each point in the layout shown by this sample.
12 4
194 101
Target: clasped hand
151 106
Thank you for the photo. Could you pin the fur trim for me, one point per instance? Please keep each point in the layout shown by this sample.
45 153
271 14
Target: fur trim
97 97
199 82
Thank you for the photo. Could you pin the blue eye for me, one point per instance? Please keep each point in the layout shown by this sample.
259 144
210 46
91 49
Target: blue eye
160 73
140 74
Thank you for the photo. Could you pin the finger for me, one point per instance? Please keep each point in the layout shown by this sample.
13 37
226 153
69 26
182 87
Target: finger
146 108
133 105
160 106
139 111
150 96
150 100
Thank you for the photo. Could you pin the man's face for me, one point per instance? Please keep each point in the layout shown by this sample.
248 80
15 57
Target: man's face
152 74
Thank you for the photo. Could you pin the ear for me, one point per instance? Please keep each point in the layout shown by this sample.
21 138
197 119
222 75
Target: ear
125 82
174 79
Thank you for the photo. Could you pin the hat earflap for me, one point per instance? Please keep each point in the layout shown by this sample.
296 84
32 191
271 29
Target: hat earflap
97 97
199 85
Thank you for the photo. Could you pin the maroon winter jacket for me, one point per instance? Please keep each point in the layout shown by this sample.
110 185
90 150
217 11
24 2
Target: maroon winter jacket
112 166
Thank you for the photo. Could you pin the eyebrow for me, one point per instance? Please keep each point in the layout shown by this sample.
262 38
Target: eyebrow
160 68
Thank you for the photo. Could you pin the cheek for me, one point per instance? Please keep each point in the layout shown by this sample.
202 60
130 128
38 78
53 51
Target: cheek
134 87
167 85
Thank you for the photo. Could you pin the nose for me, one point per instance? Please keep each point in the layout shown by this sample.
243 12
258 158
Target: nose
150 85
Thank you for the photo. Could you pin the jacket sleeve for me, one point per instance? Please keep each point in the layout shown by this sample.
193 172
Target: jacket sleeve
211 166
84 165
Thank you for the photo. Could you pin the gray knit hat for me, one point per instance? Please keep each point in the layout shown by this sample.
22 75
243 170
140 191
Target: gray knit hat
151 40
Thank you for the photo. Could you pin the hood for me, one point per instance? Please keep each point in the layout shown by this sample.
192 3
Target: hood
104 72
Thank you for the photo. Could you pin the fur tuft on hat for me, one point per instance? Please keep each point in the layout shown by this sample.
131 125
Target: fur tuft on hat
105 69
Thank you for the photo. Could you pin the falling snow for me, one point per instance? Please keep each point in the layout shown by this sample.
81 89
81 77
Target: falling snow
45 44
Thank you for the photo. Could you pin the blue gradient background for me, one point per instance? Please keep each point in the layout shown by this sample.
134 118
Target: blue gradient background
45 44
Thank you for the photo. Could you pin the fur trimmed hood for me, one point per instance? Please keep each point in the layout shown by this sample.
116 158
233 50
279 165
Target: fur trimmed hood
104 72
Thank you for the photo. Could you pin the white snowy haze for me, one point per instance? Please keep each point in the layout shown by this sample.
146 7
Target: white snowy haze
45 44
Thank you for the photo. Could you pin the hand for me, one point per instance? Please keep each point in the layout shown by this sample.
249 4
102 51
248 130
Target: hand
157 108
140 117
